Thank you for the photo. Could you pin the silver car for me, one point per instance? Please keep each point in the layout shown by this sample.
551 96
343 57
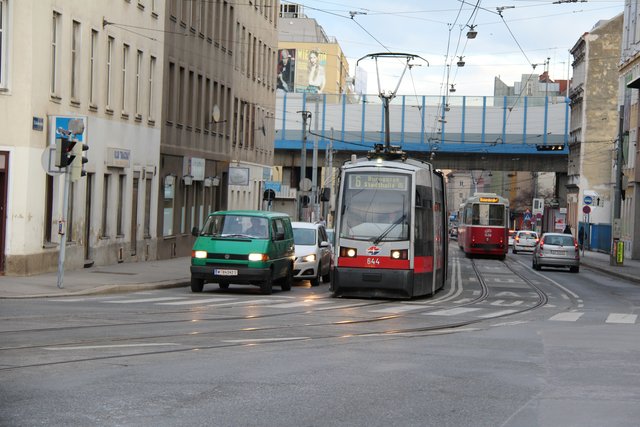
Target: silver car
524 241
557 250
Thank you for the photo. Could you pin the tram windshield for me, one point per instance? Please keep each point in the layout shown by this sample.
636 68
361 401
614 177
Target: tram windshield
483 214
376 207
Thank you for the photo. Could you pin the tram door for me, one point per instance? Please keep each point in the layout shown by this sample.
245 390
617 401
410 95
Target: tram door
4 169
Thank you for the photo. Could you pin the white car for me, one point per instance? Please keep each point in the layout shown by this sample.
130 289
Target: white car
525 241
313 253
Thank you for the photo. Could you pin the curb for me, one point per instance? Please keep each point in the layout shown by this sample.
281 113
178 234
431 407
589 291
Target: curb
110 289
611 272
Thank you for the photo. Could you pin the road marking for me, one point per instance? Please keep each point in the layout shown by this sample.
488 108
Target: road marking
396 309
307 303
248 302
497 313
134 301
566 317
621 318
452 311
256 340
503 303
94 347
195 301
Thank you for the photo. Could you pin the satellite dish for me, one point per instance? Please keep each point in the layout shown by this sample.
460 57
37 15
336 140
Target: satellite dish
215 114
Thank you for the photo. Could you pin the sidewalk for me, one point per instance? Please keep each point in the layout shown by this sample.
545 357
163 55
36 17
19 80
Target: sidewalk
174 272
124 277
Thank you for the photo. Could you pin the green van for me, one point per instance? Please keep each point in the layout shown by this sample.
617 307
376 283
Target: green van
243 247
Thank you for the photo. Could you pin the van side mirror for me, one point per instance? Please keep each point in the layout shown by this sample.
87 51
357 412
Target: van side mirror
195 231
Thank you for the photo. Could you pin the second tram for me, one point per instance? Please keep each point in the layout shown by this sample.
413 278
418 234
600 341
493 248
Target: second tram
391 228
483 227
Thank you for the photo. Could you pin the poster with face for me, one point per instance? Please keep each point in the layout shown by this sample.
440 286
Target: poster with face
286 69
310 70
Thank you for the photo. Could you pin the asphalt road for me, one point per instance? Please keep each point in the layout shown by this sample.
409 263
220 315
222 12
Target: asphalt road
502 346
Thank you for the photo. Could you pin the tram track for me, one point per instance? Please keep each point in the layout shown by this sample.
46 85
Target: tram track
418 331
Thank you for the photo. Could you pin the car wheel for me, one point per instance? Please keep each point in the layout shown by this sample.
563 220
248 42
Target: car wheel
574 269
223 285
267 286
326 278
197 284
287 281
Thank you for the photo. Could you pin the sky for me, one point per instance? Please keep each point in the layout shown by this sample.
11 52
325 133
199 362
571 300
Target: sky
514 37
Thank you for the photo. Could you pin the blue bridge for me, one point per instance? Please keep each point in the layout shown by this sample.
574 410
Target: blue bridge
480 132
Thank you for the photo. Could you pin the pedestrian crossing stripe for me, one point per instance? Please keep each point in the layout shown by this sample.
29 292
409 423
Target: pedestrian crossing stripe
566 317
452 311
621 318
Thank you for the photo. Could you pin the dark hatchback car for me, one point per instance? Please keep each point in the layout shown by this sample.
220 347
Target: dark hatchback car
556 250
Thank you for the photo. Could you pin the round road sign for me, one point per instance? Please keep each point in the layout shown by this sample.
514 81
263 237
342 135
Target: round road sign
588 200
586 209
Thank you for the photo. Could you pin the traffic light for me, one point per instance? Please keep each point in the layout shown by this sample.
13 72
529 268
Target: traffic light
64 151
77 167
550 147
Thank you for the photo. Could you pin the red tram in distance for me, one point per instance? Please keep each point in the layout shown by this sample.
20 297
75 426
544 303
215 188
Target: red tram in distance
483 225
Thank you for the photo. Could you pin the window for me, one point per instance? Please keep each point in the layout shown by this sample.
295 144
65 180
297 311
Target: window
171 106
75 60
147 208
92 67
167 205
125 60
121 191
180 95
138 86
152 70
110 42
105 205
4 26
55 51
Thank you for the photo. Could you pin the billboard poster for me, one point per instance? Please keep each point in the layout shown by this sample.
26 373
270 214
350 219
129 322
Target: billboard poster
310 71
286 69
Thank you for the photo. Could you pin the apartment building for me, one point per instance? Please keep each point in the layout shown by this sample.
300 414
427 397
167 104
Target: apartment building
73 59
217 123
629 83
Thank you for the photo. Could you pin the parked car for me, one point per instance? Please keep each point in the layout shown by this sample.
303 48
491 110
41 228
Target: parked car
557 250
453 233
512 235
313 252
524 241
243 247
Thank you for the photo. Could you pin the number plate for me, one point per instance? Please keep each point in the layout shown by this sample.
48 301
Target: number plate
558 252
225 272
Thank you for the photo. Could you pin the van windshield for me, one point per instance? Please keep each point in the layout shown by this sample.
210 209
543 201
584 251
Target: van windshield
236 226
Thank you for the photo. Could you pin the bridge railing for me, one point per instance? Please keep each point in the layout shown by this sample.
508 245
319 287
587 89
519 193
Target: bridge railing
420 123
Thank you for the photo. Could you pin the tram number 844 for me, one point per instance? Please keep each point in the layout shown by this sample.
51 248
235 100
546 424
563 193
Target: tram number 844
373 261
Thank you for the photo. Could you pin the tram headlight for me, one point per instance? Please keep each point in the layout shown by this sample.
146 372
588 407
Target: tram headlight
399 254
348 252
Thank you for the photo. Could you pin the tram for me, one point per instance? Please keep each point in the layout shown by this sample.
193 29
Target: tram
483 225
391 227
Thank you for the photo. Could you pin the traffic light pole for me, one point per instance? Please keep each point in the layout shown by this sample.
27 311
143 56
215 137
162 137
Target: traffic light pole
62 224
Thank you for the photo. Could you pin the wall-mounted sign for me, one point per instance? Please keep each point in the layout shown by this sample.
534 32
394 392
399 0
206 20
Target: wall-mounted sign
238 176
38 123
193 166
118 157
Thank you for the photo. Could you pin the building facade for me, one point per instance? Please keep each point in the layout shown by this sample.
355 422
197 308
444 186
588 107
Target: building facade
594 130
218 118
72 59
629 83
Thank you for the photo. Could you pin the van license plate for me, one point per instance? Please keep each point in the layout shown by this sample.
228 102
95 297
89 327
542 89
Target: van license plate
225 272
558 252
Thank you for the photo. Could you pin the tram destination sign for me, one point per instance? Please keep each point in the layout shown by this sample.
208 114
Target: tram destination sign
489 200
378 182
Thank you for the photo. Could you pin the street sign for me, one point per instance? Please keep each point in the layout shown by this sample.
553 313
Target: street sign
588 200
527 215
586 209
